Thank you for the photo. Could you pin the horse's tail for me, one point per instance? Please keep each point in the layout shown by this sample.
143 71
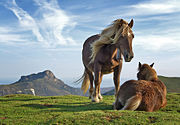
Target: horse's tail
133 102
85 82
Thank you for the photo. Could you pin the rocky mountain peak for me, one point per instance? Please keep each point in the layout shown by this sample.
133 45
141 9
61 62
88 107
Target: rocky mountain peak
47 74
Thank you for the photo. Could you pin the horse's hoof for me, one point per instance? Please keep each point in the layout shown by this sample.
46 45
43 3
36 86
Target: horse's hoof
91 97
95 100
100 97
114 107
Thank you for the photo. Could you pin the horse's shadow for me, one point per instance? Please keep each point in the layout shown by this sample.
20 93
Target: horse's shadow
71 107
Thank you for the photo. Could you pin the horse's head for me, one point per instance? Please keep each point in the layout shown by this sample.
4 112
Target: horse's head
123 38
146 72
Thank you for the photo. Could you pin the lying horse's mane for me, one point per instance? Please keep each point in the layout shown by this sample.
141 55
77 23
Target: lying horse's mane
109 35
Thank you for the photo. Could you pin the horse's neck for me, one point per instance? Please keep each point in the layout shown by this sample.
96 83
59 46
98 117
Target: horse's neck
107 55
112 50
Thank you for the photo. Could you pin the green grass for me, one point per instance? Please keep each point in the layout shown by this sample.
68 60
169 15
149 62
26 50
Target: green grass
172 83
71 109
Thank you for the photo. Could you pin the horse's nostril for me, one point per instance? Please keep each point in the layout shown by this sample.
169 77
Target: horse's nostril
127 56
132 56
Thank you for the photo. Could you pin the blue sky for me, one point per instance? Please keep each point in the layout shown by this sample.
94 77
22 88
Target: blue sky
36 35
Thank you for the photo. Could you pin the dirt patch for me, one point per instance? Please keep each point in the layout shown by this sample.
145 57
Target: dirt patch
152 119
47 105
3 118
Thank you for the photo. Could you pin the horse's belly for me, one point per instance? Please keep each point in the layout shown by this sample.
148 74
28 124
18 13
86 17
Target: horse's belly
107 70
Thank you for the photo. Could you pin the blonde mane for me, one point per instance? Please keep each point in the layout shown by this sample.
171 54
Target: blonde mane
109 35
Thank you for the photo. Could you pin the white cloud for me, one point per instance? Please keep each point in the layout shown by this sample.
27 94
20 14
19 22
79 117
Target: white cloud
158 42
154 7
48 28
25 20
54 21
9 36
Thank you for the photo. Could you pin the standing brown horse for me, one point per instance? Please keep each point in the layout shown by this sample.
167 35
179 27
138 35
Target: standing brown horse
101 54
147 93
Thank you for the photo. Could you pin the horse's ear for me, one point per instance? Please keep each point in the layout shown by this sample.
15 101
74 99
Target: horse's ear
152 65
131 23
139 66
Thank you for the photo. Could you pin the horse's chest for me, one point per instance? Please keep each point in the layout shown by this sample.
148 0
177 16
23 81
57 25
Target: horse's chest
108 68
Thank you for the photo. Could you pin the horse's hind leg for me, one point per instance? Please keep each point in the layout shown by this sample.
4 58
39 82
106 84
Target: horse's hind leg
99 91
117 105
91 78
133 102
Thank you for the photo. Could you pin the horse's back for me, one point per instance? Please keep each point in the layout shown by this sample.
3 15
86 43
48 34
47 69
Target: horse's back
133 86
90 40
86 52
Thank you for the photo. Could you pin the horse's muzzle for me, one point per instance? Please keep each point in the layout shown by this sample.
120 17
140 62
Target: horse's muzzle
128 57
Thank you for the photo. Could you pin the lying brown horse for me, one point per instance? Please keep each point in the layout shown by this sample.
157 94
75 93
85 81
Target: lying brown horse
147 93
101 55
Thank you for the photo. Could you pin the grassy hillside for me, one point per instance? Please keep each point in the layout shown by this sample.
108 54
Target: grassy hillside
172 83
70 109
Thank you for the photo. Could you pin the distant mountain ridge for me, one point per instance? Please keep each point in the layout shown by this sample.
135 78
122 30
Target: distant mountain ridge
42 84
172 85
46 74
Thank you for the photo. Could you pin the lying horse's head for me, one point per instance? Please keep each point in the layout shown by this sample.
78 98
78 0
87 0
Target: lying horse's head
123 38
146 72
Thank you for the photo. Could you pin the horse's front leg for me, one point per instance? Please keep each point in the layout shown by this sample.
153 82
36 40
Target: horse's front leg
116 77
97 82
99 91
